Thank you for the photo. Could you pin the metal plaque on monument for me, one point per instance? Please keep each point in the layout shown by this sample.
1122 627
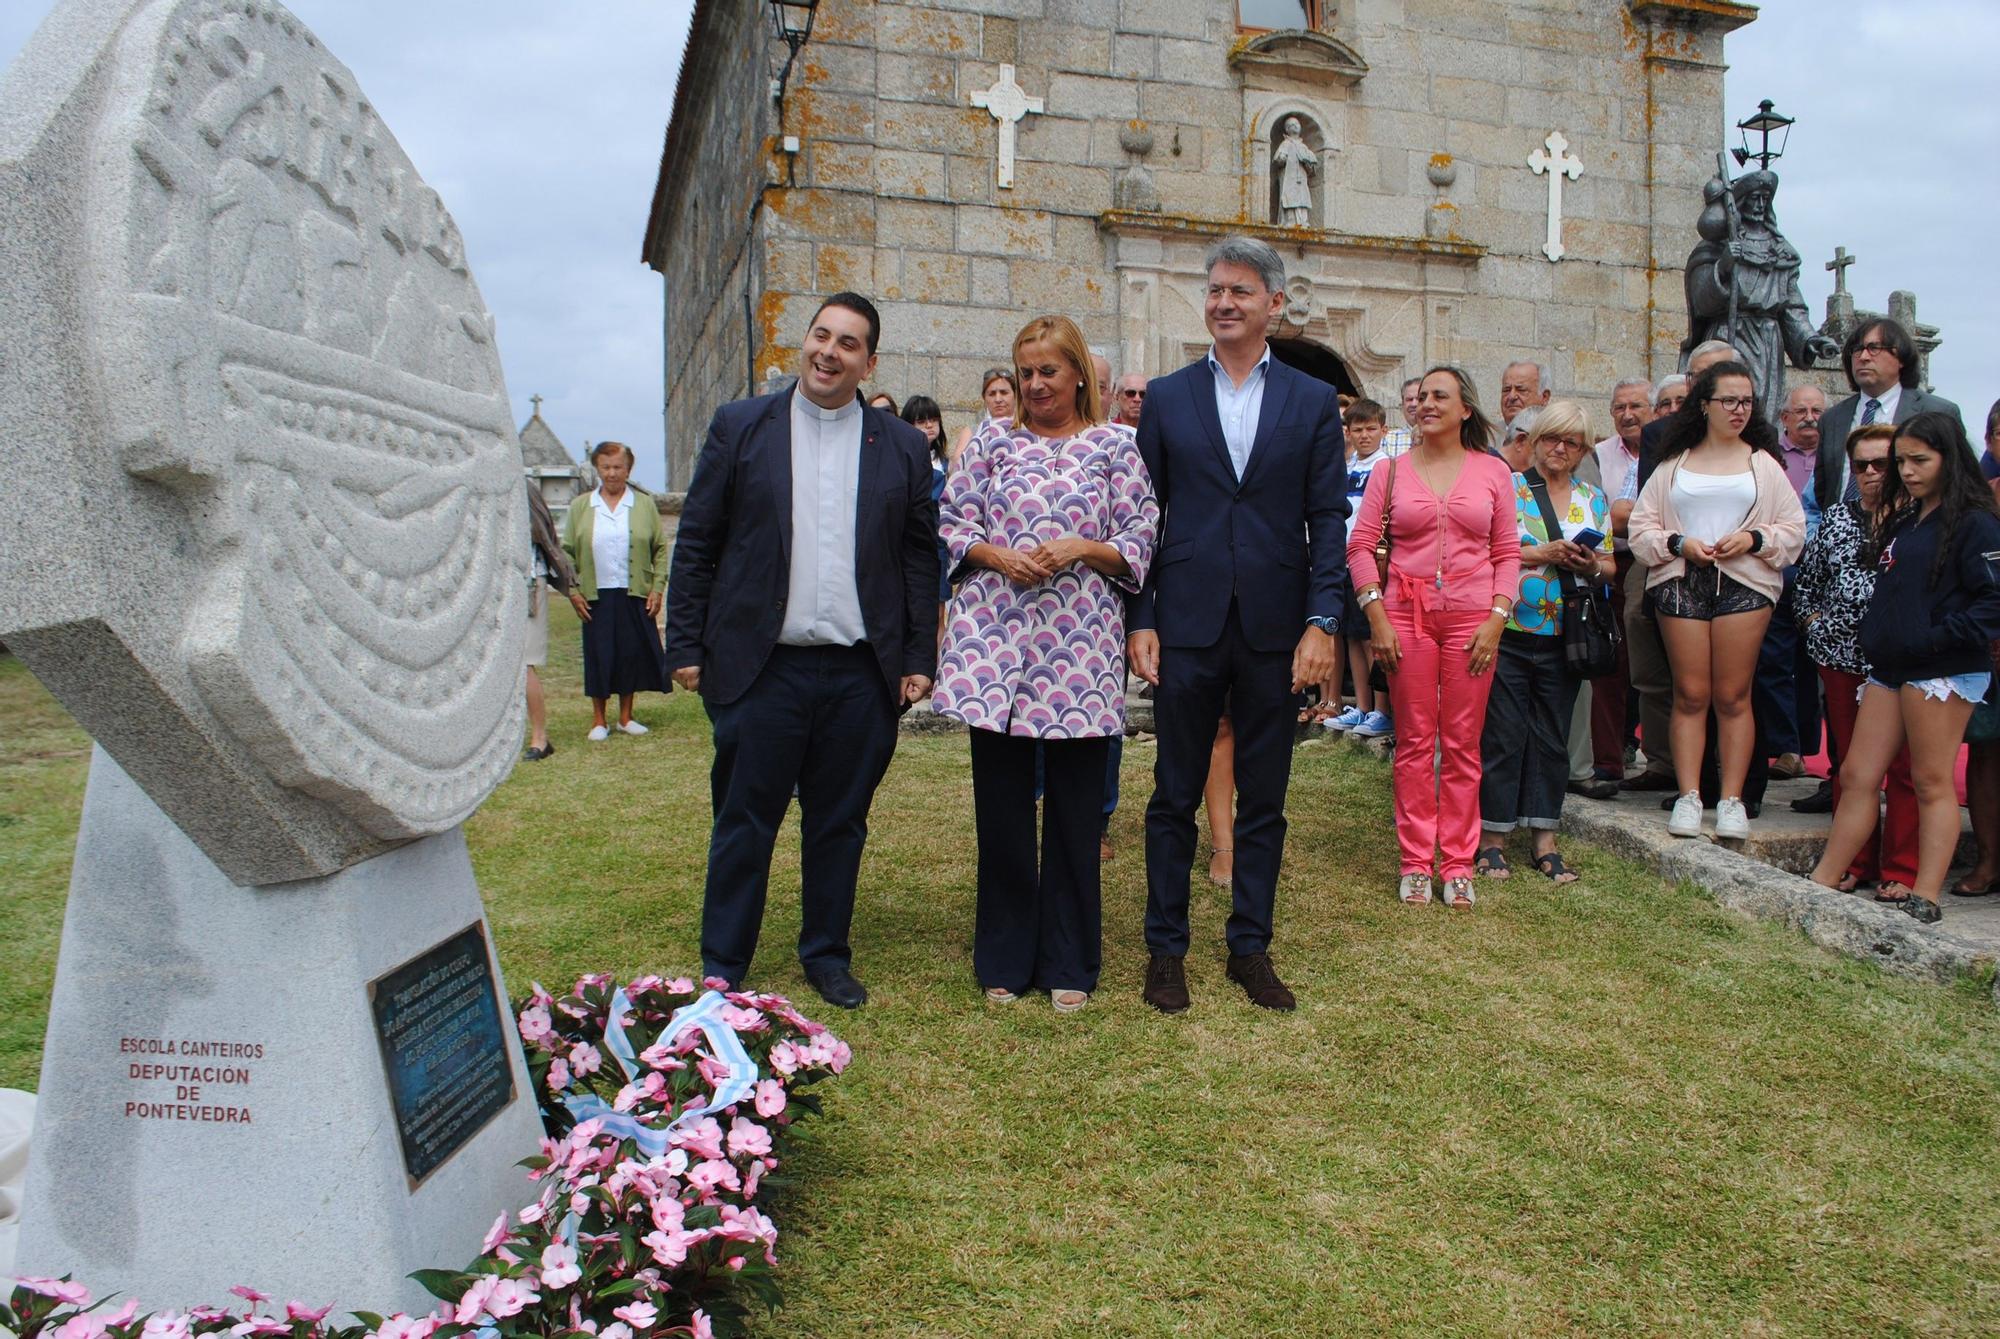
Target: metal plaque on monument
265 542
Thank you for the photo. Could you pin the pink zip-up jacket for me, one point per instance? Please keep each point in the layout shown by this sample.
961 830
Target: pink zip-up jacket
1473 530
1776 514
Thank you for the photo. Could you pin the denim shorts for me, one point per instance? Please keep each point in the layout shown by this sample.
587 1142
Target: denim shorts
1966 687
1706 594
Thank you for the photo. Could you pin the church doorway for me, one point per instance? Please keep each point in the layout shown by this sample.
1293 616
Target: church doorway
1315 360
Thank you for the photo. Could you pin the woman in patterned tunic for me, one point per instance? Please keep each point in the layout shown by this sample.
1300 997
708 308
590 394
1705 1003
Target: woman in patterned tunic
1524 748
1048 518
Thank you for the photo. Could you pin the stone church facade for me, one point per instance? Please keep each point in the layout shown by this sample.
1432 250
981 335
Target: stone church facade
1415 225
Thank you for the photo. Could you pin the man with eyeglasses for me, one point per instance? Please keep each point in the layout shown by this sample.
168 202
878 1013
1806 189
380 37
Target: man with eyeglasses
1129 399
1882 367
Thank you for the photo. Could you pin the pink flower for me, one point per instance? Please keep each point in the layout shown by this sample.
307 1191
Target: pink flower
703 1138
495 1234
680 985
785 1058
536 1025
715 983
262 1325
770 1098
709 1176
532 1214
472 1304
558 1076
300 1311
400 1326
701 1326
748 1138
167 1325
559 1268
669 1214
617 1329
639 1315
250 1294
585 1058
83 1325
753 1176
745 1020
511 1297
661 1056
642 985
74 1294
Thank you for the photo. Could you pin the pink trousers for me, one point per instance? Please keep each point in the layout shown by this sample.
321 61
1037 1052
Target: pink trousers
1438 700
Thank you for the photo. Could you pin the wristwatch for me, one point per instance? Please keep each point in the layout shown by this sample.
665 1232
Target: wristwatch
1324 624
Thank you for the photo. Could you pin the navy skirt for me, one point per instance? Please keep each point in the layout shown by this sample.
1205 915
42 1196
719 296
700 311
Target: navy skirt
621 647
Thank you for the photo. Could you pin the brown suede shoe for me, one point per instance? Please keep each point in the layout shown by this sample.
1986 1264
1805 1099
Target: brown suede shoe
1166 985
1260 982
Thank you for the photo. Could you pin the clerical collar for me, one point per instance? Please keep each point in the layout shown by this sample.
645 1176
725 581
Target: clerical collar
801 404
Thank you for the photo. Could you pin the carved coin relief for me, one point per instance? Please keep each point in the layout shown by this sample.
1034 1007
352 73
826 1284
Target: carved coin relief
288 336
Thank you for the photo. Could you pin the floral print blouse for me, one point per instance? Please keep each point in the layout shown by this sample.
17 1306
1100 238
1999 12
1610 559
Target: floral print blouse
1045 661
1834 588
1540 606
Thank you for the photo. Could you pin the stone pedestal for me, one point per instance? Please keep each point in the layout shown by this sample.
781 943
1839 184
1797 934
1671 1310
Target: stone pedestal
216 1103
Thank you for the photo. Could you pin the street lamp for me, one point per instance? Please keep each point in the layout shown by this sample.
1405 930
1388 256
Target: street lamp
794 19
1764 123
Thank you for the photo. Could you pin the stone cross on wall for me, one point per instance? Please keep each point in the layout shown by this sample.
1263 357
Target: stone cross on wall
1558 164
1008 102
1841 260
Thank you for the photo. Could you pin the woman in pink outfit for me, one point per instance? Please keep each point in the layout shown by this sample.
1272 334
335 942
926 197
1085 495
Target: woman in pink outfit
1454 568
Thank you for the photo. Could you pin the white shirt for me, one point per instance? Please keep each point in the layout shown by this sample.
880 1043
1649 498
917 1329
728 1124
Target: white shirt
1615 467
1711 506
822 601
1239 407
611 540
1889 399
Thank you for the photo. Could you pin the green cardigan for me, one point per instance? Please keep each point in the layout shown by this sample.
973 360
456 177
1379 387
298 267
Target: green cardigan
649 547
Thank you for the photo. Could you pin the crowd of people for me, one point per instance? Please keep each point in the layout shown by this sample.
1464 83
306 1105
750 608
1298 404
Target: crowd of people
1528 610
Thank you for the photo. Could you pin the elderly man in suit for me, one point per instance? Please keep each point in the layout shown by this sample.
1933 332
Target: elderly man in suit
802 605
1241 605
1882 367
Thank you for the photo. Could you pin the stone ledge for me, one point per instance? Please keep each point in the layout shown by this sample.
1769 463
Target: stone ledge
1127 221
1846 924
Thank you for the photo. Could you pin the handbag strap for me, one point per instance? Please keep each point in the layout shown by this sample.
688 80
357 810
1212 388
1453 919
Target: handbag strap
1540 488
1382 541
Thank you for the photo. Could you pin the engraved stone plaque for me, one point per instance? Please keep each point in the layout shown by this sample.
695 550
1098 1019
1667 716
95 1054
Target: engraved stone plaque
268 493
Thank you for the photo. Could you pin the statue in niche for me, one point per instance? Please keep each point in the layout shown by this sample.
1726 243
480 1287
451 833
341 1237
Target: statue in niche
1295 165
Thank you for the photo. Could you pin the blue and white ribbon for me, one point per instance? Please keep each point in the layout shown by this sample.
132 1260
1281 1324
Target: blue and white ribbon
727 1048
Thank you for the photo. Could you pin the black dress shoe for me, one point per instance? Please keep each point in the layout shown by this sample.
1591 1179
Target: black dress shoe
1651 781
1259 979
837 986
1594 789
536 755
1819 802
1166 984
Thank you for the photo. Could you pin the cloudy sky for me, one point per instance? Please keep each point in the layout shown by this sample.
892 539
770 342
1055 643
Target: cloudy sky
541 126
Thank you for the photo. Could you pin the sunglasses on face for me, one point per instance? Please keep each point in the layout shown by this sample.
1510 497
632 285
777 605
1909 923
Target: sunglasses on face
1880 465
1133 395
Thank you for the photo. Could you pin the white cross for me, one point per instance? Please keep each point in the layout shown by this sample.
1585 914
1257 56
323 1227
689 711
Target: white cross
1008 102
1558 165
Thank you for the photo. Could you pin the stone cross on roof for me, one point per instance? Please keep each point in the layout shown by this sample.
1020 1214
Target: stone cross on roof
1008 102
536 401
1841 260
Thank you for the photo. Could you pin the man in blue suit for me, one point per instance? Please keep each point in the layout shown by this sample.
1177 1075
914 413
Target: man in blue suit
802 605
1240 607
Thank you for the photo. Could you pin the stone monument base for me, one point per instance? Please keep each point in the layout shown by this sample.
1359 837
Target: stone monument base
216 1100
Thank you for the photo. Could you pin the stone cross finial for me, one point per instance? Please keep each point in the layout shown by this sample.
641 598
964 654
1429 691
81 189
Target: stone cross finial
1558 164
1841 260
536 401
1008 102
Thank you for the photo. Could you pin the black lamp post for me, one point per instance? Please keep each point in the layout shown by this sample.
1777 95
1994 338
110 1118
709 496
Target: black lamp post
794 19
1765 123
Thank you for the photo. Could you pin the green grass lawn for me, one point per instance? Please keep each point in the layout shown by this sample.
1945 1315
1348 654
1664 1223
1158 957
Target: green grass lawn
1608 1108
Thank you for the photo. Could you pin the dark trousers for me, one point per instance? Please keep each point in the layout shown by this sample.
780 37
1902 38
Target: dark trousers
1037 929
1187 707
1788 682
819 718
1524 750
1610 696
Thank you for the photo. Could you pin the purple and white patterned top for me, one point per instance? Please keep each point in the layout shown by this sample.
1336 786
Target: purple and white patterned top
1045 661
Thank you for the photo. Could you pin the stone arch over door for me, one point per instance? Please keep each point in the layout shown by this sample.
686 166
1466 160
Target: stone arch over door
1316 361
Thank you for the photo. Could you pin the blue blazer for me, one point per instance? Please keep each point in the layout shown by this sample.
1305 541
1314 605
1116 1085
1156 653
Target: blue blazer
1274 541
731 571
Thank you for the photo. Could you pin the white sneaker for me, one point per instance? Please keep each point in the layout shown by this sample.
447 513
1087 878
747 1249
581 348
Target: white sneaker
633 728
1686 818
598 734
1731 818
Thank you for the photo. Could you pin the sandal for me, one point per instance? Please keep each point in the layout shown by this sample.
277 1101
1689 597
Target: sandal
1414 890
1848 882
1215 851
1000 995
1492 863
1458 893
1550 863
1068 1001
1977 890
1892 892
